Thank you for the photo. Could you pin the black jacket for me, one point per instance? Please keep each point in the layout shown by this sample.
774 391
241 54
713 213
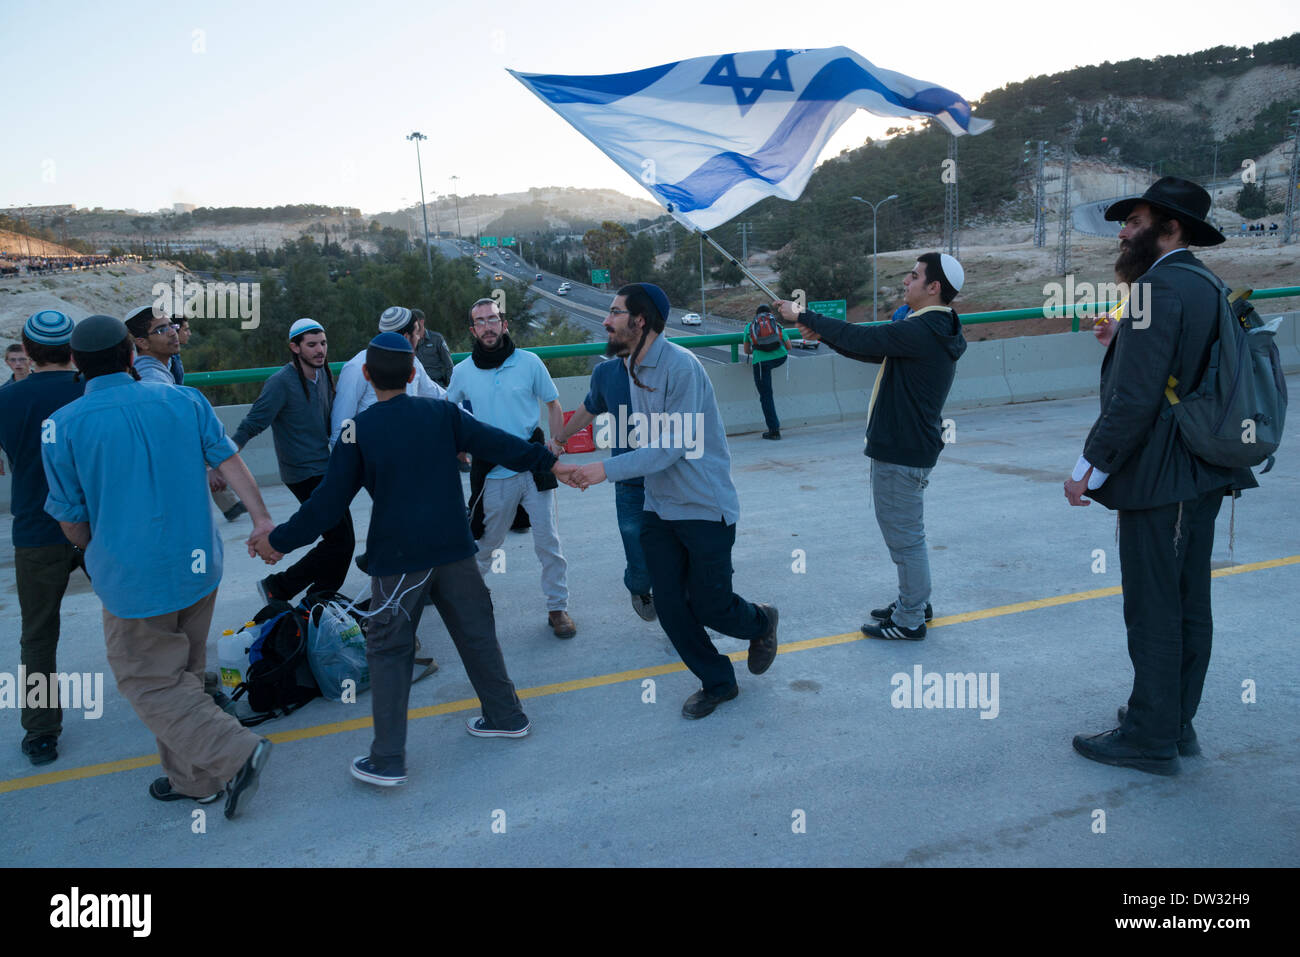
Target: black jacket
905 427
1135 439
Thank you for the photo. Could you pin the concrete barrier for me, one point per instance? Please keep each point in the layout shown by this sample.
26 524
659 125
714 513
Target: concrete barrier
832 388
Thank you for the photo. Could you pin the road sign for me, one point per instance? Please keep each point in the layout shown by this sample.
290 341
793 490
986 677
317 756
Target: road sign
508 241
599 276
834 308
487 241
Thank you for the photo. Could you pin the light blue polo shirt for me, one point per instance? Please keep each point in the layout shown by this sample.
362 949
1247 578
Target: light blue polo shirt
131 459
506 396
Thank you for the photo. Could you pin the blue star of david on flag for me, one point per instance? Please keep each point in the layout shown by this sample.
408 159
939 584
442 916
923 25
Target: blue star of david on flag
776 76
711 136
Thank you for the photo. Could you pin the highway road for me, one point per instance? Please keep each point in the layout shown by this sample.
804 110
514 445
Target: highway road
586 306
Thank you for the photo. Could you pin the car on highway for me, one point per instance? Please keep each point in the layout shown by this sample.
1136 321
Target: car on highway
539 277
564 289
803 343
691 319
497 277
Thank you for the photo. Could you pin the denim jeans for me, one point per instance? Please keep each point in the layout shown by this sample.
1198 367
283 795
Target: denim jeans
899 495
763 382
629 500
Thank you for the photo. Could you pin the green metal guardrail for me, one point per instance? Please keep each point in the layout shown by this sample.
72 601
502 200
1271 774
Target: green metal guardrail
733 339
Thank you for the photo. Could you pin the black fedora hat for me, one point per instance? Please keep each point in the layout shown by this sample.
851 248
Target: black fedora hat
1183 198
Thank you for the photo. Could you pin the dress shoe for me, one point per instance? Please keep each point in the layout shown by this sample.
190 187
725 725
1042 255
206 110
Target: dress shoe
762 650
561 624
702 703
1188 746
1110 747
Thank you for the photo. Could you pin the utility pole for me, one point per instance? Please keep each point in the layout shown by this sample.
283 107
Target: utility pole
745 229
703 311
457 198
1291 183
1063 254
950 223
428 250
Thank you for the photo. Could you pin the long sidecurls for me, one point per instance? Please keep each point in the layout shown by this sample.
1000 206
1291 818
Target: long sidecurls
639 303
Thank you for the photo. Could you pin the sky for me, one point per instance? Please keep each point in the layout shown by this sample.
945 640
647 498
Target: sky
141 105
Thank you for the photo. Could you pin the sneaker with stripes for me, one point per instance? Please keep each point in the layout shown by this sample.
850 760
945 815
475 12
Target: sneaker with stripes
887 629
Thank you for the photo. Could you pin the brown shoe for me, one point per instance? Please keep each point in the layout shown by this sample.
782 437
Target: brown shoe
561 624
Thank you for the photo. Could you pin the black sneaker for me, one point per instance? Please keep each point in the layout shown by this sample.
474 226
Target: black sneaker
365 769
1188 746
481 729
244 785
880 614
161 790
235 511
644 605
888 630
42 750
772 435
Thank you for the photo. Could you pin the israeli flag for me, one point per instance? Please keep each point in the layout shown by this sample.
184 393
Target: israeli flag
709 137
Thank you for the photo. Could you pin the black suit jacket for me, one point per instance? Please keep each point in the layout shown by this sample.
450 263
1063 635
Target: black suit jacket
1135 439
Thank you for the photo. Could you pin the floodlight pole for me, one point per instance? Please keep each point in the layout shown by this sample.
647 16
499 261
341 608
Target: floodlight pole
874 207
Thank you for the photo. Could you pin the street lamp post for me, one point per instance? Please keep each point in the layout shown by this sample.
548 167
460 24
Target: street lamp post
874 207
428 251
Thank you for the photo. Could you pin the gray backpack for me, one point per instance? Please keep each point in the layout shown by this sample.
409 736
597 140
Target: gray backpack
1235 415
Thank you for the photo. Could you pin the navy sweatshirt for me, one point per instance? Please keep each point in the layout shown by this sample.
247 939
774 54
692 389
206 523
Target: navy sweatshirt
404 455
905 427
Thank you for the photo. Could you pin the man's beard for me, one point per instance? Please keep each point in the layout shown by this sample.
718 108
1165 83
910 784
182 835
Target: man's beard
617 347
1135 259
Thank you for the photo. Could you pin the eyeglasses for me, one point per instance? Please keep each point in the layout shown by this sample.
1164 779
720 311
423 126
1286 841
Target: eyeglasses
484 323
163 330
618 312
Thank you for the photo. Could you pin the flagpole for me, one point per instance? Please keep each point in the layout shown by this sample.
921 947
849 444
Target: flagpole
763 287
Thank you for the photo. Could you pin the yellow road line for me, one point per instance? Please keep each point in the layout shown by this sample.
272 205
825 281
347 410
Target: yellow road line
618 677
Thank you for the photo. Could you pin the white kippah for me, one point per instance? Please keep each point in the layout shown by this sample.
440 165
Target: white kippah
952 271
304 325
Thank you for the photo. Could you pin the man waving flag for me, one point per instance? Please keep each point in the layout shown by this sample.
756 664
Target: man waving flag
711 136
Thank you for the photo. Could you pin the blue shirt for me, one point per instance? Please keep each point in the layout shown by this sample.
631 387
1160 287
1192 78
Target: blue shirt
151 370
684 458
130 458
505 397
24 407
177 369
610 392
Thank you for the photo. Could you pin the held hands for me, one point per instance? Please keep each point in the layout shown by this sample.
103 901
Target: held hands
580 476
215 482
259 545
555 446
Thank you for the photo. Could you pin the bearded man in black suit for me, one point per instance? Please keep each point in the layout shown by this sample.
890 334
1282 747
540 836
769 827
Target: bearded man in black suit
1135 463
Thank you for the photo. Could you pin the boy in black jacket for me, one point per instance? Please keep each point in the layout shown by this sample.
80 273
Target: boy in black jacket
403 450
918 362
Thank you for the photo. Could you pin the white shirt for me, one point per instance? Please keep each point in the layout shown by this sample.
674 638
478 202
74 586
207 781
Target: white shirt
354 394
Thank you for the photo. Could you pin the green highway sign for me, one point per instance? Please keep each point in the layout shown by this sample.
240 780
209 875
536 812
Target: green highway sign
834 308
487 241
508 241
599 276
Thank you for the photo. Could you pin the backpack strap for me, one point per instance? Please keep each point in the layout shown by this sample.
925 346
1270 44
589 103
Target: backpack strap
1170 396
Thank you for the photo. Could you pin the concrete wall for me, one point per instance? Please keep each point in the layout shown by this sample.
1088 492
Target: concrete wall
833 389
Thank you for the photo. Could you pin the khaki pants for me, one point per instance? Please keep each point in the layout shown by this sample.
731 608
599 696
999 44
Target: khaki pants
158 663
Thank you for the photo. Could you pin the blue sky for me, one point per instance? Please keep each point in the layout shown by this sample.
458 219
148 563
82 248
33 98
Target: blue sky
136 104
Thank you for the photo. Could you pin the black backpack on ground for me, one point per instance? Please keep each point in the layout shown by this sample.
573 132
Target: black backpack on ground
279 679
